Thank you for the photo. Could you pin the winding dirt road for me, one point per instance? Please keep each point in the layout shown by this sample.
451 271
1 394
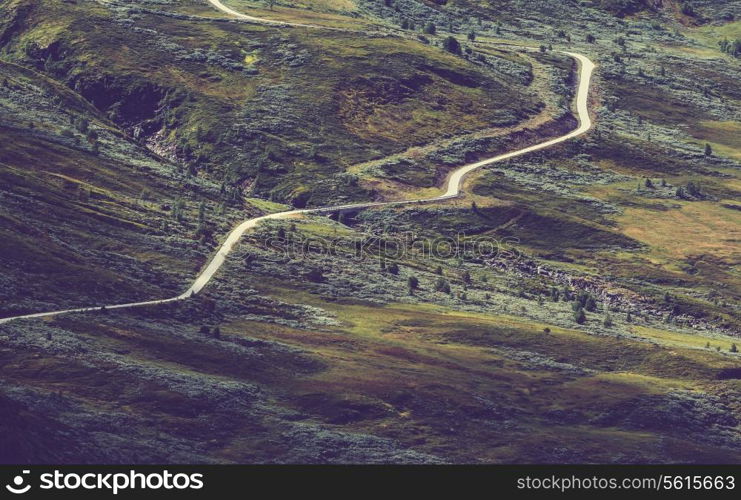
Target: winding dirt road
453 185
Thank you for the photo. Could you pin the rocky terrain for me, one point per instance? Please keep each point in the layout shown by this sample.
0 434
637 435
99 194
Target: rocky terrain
578 304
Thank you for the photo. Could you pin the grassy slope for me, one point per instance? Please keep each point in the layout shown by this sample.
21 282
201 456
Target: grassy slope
459 385
83 219
264 108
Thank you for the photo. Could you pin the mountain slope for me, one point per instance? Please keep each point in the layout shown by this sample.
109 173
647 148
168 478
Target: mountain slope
579 304
263 109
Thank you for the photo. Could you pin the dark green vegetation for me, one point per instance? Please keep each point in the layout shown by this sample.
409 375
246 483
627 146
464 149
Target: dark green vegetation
604 330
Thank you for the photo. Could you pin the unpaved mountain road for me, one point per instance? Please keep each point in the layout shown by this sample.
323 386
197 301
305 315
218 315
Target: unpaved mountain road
453 183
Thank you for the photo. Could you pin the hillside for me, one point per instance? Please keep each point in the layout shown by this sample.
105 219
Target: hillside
86 214
576 304
262 109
